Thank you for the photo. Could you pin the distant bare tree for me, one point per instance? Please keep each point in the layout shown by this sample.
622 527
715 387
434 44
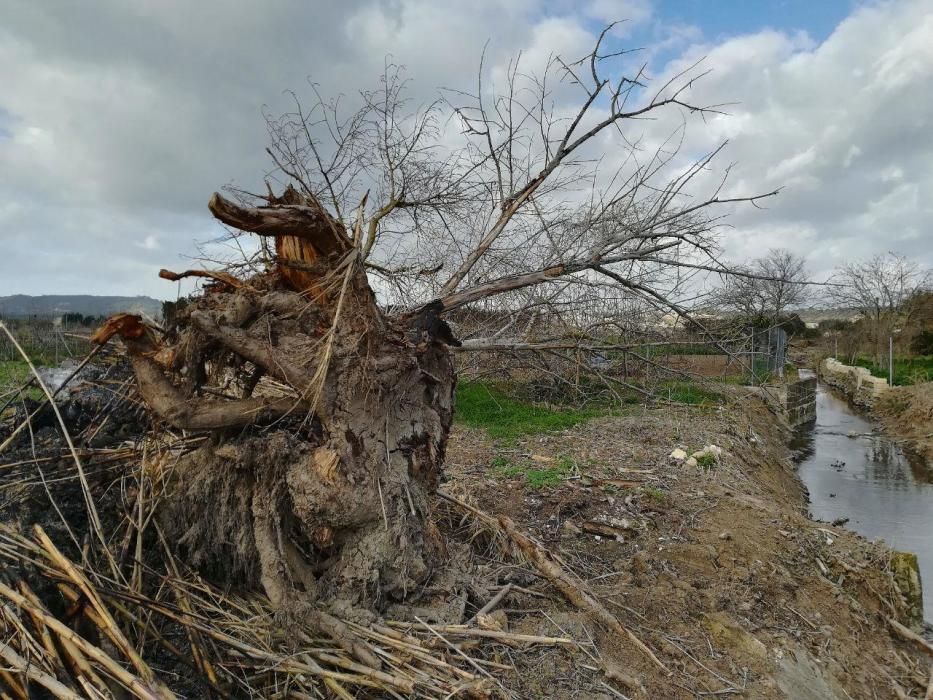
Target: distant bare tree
885 290
330 409
771 286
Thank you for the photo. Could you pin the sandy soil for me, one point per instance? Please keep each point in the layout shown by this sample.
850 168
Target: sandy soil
717 570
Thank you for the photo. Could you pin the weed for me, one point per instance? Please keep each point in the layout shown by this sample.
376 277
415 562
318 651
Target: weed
706 460
482 405
907 370
535 477
539 478
689 393
566 464
503 468
655 494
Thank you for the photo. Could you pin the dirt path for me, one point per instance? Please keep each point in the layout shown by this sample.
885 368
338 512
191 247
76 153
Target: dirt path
717 569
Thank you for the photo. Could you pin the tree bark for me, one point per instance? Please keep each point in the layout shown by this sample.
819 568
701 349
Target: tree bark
325 492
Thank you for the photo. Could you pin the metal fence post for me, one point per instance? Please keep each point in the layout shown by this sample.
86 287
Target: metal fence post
890 361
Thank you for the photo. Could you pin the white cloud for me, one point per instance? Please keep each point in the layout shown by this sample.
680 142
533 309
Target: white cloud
117 124
843 125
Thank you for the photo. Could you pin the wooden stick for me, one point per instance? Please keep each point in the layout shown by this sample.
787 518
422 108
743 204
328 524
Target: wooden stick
13 685
341 634
491 605
85 487
33 672
133 683
462 631
194 638
110 627
402 684
574 591
222 277
70 656
35 412
910 636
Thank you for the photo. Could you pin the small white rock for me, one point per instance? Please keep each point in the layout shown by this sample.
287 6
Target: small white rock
678 455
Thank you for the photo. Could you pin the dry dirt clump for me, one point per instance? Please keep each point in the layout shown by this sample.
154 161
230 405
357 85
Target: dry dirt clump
907 411
716 568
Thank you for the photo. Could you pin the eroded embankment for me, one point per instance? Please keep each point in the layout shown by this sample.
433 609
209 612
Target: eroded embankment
907 412
716 568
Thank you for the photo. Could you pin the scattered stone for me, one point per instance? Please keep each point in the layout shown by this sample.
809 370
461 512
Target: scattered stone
852 434
678 455
725 535
615 531
692 462
570 528
840 521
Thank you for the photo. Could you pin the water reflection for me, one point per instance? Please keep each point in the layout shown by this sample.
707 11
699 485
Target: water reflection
853 472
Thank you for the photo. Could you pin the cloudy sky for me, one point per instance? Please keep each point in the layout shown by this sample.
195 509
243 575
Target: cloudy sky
119 118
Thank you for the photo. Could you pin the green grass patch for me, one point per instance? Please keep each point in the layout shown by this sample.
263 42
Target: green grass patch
537 477
655 494
13 374
689 393
707 461
483 405
907 370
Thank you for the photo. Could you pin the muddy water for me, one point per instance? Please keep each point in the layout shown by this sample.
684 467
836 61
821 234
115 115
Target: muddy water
852 471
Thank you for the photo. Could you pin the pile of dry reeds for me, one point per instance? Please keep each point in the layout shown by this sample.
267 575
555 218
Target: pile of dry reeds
107 638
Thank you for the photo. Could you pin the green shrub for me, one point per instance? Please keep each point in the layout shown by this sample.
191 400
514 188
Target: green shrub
922 344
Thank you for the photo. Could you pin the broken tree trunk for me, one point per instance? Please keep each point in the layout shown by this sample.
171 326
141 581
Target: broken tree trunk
328 419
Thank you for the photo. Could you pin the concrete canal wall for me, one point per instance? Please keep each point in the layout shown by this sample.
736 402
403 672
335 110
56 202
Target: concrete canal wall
856 382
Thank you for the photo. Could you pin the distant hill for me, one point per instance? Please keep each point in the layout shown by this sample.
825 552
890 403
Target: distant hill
52 305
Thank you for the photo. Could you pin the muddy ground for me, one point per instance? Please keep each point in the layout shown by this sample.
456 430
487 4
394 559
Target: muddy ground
717 569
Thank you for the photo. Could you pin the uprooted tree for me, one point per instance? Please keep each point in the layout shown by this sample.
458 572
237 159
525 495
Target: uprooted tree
320 367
